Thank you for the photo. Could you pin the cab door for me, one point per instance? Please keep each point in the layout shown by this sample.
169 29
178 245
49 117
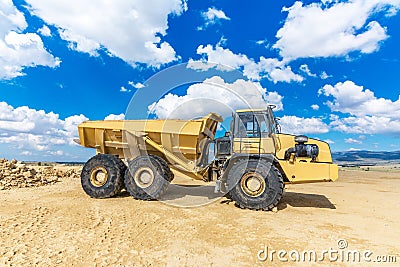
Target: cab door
252 134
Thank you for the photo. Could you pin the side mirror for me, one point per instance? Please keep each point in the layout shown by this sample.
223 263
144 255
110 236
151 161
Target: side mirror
277 125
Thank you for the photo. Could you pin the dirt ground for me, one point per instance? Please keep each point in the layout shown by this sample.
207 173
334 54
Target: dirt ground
59 225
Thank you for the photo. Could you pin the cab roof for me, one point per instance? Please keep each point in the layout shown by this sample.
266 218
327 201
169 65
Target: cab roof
251 110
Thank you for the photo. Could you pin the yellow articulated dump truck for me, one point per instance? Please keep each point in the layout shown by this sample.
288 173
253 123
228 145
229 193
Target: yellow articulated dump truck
250 164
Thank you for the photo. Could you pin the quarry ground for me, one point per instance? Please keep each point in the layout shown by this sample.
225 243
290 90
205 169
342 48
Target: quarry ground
59 225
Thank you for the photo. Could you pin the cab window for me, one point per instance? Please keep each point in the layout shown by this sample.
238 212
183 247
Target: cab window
249 125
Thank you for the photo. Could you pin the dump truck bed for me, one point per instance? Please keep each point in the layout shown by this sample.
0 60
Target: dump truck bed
183 138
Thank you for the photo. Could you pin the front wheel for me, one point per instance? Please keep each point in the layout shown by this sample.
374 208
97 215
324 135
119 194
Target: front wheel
255 184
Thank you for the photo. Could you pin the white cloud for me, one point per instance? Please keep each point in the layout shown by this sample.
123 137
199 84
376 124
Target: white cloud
215 95
368 114
185 5
223 56
45 31
352 141
367 125
79 42
115 117
222 41
26 153
126 29
354 99
329 141
136 85
333 117
262 42
19 50
315 107
265 43
332 28
123 89
275 70
298 125
304 68
29 129
212 16
325 75
200 65
354 149
70 124
270 68
11 18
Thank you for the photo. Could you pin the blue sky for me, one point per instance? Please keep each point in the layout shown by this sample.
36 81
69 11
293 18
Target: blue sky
331 67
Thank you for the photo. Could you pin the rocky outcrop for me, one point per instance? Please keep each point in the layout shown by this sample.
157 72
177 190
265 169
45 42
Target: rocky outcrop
15 174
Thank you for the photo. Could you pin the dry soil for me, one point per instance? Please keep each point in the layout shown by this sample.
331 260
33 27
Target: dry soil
59 225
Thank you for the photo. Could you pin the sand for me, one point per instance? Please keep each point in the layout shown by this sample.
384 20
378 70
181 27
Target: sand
59 225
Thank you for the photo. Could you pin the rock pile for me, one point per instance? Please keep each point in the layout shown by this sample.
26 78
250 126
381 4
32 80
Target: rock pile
14 174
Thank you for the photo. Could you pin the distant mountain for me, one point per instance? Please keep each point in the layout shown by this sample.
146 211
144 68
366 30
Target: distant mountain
365 157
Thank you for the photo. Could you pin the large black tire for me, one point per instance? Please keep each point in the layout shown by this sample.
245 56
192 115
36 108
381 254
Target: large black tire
228 195
103 176
165 167
255 184
146 178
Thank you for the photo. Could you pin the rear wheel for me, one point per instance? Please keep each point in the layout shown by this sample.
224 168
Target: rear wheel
146 177
165 166
103 176
255 184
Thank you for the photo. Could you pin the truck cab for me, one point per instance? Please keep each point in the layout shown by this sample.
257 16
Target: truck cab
254 132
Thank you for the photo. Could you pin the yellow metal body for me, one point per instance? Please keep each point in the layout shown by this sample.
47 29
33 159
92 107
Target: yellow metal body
303 170
296 169
254 145
180 142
